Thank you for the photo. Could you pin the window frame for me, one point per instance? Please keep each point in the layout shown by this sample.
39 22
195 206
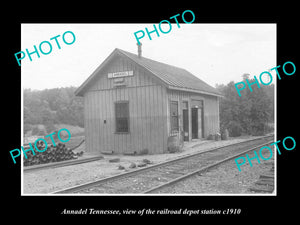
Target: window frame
172 130
116 118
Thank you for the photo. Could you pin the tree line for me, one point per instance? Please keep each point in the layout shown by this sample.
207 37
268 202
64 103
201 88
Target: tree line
252 113
52 106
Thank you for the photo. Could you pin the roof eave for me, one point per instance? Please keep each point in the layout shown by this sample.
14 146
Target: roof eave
80 90
163 82
194 91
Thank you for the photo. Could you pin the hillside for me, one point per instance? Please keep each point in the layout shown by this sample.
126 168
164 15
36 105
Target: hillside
45 110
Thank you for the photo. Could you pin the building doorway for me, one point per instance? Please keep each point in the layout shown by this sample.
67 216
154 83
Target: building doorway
185 114
194 123
200 123
197 123
185 120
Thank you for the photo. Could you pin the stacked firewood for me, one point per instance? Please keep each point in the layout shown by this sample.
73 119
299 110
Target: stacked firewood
52 154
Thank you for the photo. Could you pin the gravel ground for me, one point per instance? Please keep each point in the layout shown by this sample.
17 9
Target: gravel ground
53 179
225 179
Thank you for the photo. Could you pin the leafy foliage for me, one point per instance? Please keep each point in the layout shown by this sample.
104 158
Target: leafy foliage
52 106
248 114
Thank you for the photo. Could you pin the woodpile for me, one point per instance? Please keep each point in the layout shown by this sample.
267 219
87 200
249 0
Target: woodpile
53 154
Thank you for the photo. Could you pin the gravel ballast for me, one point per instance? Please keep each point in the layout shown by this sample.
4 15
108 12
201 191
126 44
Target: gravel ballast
53 179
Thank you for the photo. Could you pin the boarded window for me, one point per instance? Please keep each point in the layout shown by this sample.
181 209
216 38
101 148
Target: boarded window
122 116
174 116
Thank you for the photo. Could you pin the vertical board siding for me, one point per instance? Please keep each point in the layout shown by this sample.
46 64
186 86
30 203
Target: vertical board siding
211 115
147 112
119 64
211 110
146 121
149 118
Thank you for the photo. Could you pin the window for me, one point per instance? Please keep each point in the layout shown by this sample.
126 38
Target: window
174 116
122 117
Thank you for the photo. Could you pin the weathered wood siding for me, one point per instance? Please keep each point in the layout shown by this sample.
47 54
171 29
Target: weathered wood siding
211 115
210 110
147 111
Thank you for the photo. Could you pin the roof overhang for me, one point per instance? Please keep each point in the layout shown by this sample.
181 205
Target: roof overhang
81 89
85 85
194 91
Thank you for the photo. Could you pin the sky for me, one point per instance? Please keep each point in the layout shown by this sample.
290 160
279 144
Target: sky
216 53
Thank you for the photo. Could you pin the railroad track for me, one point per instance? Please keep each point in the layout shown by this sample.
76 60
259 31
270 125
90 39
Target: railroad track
60 164
265 183
155 177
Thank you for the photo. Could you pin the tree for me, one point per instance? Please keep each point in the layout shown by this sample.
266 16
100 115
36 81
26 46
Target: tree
52 106
249 113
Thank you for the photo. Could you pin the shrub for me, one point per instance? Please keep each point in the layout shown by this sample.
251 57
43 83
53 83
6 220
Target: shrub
235 129
269 128
224 134
257 129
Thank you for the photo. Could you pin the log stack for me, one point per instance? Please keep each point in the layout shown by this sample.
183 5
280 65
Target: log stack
53 154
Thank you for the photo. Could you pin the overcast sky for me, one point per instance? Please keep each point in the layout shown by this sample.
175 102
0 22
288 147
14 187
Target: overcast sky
216 53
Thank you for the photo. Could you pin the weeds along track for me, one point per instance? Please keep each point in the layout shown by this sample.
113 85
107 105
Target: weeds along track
154 177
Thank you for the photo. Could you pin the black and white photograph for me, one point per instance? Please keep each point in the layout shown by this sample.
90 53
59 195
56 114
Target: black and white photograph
177 113
130 113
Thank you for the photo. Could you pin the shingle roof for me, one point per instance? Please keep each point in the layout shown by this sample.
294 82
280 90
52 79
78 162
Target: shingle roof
173 77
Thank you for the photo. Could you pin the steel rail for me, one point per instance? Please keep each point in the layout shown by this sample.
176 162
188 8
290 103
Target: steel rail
135 172
205 169
52 165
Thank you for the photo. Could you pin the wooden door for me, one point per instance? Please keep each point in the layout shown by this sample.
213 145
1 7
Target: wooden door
194 123
185 120
200 123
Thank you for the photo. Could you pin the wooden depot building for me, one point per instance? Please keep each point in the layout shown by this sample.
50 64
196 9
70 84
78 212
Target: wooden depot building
132 103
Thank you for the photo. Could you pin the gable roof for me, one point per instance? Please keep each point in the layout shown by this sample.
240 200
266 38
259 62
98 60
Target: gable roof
174 77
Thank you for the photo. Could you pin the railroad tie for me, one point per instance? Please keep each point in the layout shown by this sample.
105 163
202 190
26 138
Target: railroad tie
261 189
265 182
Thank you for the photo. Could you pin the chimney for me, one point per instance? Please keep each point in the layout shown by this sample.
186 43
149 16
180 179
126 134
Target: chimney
139 49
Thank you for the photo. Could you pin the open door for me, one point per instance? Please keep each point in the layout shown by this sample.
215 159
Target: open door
197 118
200 123
194 123
185 114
